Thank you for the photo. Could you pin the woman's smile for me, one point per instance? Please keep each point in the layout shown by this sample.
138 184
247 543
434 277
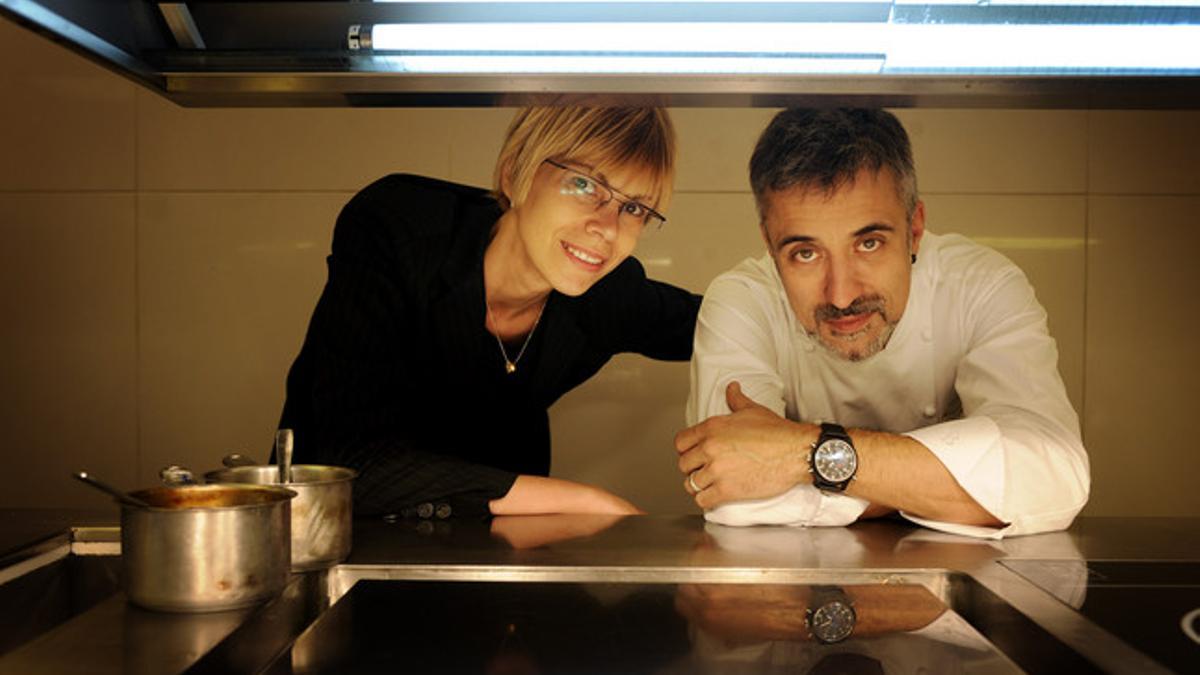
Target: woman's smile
585 258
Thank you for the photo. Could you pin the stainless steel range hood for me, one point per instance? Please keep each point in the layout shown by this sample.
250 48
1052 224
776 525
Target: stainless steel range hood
947 53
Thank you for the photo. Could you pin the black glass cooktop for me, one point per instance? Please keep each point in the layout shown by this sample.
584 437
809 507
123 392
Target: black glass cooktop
1154 606
434 627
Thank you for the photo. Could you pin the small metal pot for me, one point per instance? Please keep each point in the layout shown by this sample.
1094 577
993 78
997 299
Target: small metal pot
321 512
206 548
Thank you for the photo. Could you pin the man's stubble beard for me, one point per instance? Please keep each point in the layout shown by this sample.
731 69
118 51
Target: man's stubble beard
871 303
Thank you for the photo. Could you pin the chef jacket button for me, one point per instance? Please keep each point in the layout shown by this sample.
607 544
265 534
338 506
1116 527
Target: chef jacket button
424 510
926 335
808 346
443 511
929 411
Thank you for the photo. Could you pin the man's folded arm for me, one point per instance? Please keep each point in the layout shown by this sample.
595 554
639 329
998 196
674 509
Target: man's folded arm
734 344
1018 450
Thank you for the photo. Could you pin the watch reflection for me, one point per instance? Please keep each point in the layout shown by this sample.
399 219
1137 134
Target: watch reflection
892 628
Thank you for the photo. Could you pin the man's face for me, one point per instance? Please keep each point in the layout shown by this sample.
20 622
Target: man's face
845 260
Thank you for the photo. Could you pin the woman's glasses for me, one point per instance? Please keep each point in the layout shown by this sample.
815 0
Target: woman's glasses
596 194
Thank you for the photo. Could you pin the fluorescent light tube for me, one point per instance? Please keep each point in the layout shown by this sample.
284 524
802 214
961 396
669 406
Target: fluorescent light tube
789 47
617 38
445 64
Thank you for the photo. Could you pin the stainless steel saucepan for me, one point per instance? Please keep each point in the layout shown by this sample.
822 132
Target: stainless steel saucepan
321 512
204 548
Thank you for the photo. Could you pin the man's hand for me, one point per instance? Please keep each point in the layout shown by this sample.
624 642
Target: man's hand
752 453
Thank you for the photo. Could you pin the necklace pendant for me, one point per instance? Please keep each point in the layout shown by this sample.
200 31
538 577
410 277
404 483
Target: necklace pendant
510 367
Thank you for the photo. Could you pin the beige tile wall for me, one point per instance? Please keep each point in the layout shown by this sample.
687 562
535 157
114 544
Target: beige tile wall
1142 361
226 282
159 264
68 348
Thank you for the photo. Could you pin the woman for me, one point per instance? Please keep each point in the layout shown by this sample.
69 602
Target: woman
453 318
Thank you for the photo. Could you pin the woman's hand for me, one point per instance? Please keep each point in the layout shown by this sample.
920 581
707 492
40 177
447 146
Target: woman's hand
533 531
539 495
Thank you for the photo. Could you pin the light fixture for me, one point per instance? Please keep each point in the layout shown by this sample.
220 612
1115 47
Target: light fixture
781 48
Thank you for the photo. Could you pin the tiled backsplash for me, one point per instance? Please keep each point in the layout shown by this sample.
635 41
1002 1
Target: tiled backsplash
160 263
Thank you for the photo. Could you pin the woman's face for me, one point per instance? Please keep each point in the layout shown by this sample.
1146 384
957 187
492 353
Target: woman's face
578 222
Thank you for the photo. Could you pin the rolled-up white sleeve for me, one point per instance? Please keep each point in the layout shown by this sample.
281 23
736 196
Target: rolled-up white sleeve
734 342
1017 451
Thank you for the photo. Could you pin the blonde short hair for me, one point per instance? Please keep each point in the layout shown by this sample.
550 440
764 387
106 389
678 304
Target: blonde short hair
606 138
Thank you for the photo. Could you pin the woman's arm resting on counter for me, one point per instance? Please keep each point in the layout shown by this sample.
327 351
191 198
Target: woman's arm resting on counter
537 494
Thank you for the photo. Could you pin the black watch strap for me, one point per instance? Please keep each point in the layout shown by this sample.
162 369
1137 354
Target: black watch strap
833 430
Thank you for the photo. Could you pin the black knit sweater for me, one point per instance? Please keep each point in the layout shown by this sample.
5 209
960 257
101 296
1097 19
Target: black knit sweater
399 378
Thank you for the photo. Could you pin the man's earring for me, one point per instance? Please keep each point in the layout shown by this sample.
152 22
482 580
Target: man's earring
914 258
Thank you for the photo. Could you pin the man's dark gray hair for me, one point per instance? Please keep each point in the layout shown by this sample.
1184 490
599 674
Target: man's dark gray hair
824 149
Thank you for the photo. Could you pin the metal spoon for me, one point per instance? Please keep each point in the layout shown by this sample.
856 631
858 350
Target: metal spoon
283 455
112 491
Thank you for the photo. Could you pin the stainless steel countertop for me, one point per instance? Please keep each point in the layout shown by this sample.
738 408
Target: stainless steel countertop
686 549
22 528
112 636
688 541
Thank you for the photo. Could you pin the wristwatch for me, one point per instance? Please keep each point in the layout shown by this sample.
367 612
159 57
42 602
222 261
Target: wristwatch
833 460
830 616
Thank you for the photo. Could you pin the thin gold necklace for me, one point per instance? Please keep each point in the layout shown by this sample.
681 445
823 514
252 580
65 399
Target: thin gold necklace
510 366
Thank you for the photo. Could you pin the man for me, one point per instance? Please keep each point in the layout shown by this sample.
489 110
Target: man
864 366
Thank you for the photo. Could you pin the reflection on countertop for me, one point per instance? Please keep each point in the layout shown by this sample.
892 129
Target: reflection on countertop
497 627
725 600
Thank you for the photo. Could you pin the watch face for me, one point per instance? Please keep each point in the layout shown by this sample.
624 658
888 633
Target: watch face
833 622
835 460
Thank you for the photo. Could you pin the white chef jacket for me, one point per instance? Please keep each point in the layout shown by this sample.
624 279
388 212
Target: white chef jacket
971 372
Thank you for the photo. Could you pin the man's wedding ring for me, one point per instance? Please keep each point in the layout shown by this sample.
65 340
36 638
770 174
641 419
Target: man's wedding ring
692 483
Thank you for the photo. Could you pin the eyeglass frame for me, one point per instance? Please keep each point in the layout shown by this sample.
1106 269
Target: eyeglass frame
623 200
